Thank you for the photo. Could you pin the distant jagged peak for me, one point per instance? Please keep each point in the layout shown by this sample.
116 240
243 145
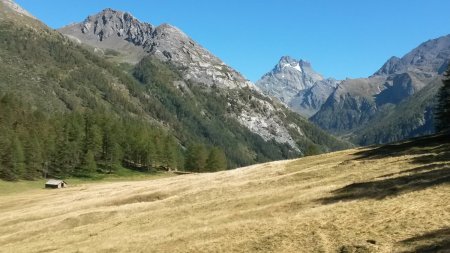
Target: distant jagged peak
289 62
296 67
10 4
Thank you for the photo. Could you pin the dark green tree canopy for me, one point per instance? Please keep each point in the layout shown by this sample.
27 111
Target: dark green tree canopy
443 105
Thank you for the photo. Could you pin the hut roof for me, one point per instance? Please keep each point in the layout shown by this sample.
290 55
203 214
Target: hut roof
55 182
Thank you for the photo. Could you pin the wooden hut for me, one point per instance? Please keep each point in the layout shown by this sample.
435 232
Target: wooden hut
55 184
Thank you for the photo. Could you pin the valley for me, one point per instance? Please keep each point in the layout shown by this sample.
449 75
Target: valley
166 148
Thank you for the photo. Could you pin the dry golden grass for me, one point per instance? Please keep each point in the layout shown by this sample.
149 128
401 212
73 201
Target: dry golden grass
304 205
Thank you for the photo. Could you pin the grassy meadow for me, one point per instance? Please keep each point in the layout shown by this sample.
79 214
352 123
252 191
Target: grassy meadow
393 198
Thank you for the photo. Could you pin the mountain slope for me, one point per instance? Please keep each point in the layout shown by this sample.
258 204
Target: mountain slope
392 198
393 104
52 74
195 64
411 117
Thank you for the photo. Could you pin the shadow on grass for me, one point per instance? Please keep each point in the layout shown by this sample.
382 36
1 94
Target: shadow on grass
380 189
431 149
437 148
435 241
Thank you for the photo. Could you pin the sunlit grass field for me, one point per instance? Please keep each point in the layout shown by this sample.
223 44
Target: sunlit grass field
394 198
123 174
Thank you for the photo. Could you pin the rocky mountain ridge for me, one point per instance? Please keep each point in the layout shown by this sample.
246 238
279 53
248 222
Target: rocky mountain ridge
432 57
121 32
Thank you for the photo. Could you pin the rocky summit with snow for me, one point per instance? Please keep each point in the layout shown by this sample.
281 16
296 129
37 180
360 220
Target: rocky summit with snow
296 84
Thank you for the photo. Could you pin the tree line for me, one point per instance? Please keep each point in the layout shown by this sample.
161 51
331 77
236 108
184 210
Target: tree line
34 145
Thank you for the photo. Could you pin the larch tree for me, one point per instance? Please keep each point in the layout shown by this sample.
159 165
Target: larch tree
216 160
196 158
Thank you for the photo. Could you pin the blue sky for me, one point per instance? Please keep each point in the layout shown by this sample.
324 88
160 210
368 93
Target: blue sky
345 38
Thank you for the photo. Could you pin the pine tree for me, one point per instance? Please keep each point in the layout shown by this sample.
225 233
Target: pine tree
216 160
18 157
34 160
6 172
170 153
68 156
93 136
149 154
443 105
112 151
115 157
89 164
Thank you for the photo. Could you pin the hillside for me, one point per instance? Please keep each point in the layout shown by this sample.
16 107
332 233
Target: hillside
55 77
391 198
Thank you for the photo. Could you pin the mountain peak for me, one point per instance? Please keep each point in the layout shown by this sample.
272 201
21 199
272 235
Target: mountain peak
288 78
287 58
113 23
287 61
